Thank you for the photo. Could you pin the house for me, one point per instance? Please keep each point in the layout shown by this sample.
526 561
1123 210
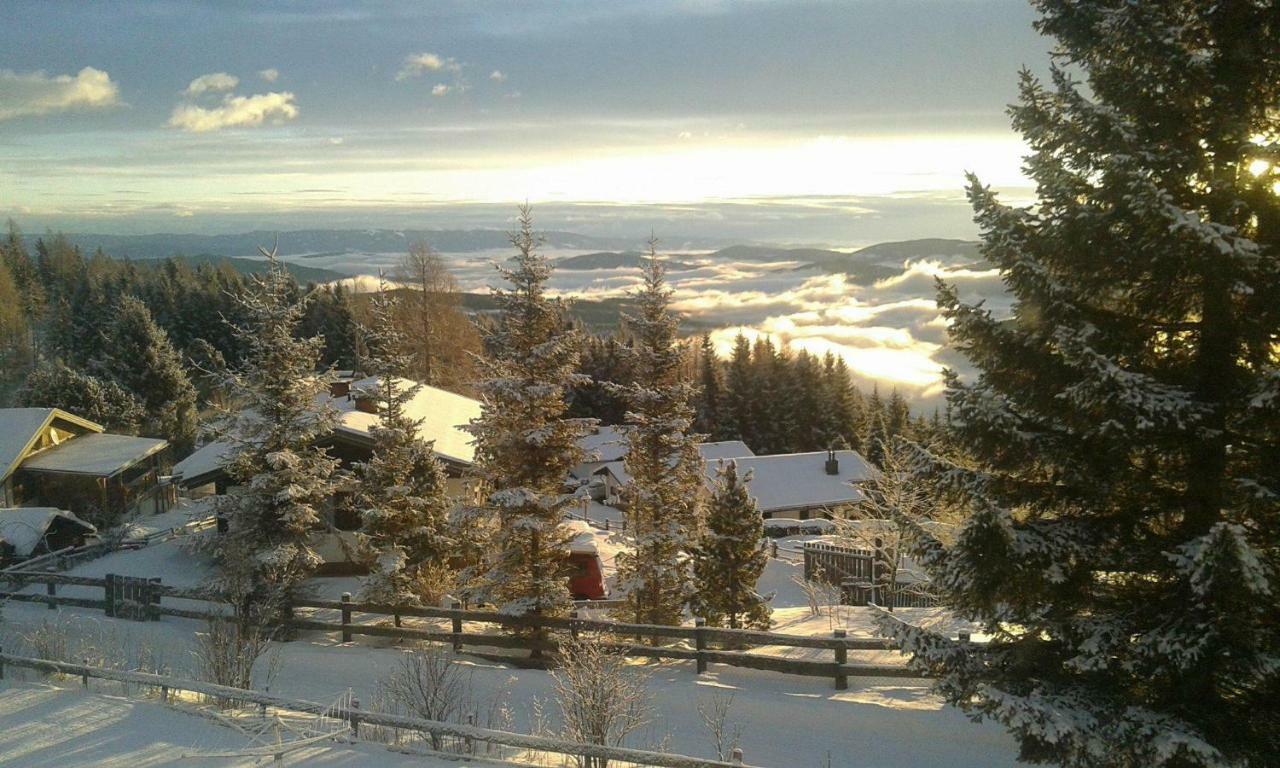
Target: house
442 416
803 485
52 458
606 474
27 532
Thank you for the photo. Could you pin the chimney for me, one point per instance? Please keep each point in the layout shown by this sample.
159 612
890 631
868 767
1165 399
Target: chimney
833 464
339 388
366 403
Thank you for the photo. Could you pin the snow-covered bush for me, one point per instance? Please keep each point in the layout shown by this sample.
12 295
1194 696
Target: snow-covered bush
602 698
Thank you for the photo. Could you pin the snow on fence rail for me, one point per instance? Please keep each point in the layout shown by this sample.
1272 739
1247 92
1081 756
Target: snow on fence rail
627 636
356 717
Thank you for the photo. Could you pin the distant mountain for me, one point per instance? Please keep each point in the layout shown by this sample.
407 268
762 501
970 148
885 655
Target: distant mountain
615 260
765 253
302 273
328 242
884 260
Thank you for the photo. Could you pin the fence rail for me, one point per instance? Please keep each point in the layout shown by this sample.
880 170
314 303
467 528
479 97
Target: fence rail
357 717
694 643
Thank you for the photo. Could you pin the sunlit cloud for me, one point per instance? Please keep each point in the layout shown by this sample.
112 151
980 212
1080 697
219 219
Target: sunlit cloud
498 76
417 64
439 89
269 75
36 93
235 112
214 82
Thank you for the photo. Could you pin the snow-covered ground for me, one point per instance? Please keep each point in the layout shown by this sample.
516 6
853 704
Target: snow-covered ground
52 726
785 720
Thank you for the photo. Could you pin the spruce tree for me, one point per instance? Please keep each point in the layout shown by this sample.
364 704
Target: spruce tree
137 355
710 386
730 556
54 385
285 476
524 443
1123 543
663 498
401 495
738 414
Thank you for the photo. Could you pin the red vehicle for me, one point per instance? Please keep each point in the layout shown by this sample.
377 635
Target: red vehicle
587 580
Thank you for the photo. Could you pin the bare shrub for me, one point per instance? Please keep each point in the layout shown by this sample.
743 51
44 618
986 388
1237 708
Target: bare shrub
429 684
227 651
602 698
714 712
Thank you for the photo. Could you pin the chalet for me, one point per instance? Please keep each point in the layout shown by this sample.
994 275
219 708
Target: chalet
803 485
606 474
27 532
52 458
442 416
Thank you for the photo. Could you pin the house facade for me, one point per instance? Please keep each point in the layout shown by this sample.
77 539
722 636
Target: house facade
52 458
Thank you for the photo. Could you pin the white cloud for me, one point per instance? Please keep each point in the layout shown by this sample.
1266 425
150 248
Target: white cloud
235 112
439 89
498 76
214 82
36 93
416 64
269 75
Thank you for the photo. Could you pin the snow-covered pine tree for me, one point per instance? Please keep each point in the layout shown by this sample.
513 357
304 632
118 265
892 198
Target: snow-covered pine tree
138 356
524 444
730 556
285 477
662 501
401 493
1124 497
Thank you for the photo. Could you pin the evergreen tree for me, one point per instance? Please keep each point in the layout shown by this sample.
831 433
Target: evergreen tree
662 500
1122 545
401 495
738 415
285 477
898 415
730 557
137 355
53 385
525 446
847 408
707 420
877 439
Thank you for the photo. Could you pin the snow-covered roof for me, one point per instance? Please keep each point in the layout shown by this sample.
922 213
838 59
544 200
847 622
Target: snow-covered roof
23 527
443 416
100 455
206 460
604 444
725 449
21 427
800 480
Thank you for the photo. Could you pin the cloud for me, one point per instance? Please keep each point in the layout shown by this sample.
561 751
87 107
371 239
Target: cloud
439 89
269 75
497 76
36 93
214 82
235 112
417 64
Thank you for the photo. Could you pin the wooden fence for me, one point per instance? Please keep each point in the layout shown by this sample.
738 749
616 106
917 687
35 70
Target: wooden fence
863 577
356 717
701 644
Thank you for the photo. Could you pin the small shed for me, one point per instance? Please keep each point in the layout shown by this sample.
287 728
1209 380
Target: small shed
27 532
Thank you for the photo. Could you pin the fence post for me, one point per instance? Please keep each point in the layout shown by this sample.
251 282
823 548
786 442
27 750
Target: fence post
164 694
153 599
737 757
84 678
346 617
606 525
573 628
1 664
355 718
808 563
842 658
108 606
457 626
875 573
773 549
700 644
468 743
52 590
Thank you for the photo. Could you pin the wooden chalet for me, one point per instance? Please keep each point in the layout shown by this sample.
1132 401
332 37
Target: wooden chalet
52 458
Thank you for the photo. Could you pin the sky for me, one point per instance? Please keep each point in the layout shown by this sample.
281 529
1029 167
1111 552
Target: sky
838 123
